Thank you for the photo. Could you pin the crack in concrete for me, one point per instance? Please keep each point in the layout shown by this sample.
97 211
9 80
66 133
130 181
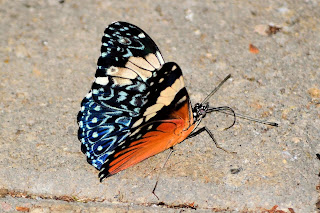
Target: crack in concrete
74 199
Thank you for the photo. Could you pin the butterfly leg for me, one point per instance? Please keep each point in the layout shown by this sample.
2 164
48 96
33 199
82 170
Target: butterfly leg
211 136
155 186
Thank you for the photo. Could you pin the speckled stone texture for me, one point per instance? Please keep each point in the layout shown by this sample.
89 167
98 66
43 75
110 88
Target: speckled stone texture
48 54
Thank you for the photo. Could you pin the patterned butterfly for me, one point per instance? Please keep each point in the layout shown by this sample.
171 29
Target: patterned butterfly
138 105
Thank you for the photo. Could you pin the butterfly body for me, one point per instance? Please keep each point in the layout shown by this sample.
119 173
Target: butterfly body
138 105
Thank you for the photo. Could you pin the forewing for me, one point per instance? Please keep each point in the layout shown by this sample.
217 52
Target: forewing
129 60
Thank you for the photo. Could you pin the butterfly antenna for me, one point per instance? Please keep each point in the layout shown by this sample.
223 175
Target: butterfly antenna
223 109
229 111
216 89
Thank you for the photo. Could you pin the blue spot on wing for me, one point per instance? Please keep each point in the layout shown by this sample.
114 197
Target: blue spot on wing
101 129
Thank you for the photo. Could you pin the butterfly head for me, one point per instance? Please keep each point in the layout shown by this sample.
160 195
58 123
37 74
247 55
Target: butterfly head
200 111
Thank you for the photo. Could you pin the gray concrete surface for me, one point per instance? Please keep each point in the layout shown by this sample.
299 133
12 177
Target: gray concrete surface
48 56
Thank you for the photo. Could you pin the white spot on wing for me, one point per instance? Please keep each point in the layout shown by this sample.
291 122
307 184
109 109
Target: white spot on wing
89 95
95 135
137 123
94 120
95 91
104 54
141 35
102 80
158 54
183 99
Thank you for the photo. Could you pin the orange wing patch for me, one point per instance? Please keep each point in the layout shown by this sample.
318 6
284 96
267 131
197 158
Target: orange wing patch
168 133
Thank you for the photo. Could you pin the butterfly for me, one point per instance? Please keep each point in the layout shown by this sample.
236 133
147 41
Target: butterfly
138 105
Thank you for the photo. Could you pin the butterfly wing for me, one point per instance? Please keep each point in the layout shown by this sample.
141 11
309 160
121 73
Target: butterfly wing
128 62
166 121
129 57
133 110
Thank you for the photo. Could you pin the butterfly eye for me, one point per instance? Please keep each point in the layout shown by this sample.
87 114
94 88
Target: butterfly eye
124 41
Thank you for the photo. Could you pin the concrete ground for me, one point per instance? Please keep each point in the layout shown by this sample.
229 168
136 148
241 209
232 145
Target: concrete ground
48 53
